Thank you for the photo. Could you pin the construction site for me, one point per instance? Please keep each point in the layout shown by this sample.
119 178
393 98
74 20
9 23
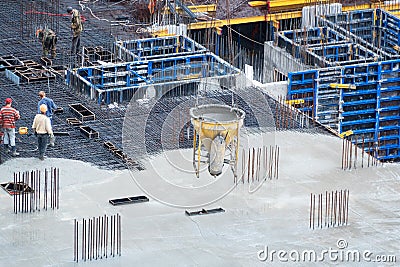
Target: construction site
203 133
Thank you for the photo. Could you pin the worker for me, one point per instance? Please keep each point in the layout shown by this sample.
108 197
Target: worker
51 106
42 128
48 38
77 28
8 117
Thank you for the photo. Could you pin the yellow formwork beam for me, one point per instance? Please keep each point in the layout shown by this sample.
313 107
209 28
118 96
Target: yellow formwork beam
197 8
234 21
285 15
346 133
342 86
202 8
295 101
281 5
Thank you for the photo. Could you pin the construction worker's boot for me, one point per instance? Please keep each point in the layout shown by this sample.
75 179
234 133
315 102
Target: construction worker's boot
14 151
6 148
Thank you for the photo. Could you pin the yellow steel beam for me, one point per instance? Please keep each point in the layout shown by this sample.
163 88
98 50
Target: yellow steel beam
295 101
198 8
346 133
202 8
223 22
342 86
257 3
281 5
284 15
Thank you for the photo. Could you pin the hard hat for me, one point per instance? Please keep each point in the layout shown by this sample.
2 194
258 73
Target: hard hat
69 9
8 100
38 31
43 108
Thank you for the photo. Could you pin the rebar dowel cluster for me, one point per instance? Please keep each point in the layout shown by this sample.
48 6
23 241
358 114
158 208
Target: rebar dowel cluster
260 163
329 210
100 237
28 189
350 154
288 117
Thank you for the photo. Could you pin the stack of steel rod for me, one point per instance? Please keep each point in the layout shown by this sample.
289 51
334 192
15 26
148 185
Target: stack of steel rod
31 191
98 238
329 210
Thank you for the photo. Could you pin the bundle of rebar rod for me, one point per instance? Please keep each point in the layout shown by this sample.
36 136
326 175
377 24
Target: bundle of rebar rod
350 154
329 210
287 116
260 163
99 237
28 190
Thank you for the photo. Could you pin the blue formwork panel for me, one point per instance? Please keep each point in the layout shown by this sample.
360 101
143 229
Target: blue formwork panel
336 49
117 82
150 48
301 86
371 110
378 28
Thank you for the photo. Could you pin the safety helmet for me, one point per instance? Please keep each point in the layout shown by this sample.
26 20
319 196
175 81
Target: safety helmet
43 108
39 32
69 9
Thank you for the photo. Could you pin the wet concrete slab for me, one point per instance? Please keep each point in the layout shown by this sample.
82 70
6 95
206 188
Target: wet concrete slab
274 217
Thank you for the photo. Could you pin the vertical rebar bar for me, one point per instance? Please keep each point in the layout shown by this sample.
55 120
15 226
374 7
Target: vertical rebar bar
15 193
347 206
277 162
252 164
45 190
311 196
313 205
248 166
326 207
75 240
335 209
83 244
120 235
340 208
38 174
106 236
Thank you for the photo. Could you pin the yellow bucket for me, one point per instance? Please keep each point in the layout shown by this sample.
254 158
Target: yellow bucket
23 130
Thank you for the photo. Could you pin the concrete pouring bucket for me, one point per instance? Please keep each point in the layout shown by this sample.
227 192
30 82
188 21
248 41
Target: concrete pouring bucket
216 126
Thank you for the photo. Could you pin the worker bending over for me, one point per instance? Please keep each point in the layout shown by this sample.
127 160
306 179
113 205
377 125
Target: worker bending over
48 38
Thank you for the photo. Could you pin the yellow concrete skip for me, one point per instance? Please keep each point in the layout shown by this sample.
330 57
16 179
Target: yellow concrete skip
342 86
294 101
346 133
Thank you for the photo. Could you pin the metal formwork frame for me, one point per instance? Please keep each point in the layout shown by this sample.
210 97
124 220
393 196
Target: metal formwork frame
370 109
99 82
151 48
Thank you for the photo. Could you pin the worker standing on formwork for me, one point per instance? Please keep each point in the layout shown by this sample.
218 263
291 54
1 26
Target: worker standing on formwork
51 106
42 128
8 117
77 28
48 38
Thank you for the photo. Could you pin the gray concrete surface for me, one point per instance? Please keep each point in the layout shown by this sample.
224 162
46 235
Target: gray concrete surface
155 234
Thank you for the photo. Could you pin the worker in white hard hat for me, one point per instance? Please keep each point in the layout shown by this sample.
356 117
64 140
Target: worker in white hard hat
42 128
